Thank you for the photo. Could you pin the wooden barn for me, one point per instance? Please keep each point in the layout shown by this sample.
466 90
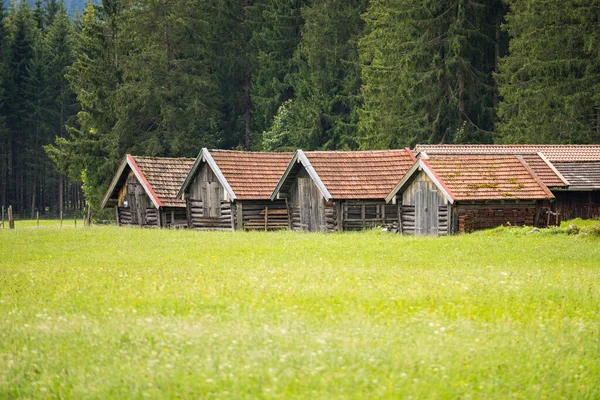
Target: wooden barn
342 190
578 166
463 193
143 191
230 190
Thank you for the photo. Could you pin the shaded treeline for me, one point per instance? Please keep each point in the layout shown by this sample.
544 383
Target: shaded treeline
167 77
35 105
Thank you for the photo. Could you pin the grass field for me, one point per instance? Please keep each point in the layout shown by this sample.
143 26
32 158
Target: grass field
108 312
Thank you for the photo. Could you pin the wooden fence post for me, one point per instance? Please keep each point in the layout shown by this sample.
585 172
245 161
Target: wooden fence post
2 217
37 217
11 220
61 216
75 219
89 216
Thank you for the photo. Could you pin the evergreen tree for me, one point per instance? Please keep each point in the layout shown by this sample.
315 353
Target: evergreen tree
550 81
168 94
5 151
18 106
327 80
276 30
91 150
427 71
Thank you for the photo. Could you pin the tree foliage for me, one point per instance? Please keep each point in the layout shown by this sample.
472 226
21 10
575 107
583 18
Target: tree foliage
550 81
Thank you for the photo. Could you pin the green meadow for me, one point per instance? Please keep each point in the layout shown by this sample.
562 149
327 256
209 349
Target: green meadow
123 313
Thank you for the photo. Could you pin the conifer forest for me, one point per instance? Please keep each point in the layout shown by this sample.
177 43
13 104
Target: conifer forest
83 84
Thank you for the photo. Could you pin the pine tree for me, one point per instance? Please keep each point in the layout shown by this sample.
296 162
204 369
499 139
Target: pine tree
91 150
169 96
5 151
427 72
327 80
550 81
18 105
276 30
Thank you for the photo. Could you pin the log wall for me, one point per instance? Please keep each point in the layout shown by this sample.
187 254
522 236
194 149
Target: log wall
128 218
263 215
198 219
366 214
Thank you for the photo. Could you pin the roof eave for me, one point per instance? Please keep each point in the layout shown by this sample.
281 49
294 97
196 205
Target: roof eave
114 182
285 175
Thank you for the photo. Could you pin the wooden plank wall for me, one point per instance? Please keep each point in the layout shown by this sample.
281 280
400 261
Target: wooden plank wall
308 209
473 217
424 208
198 219
173 217
367 214
127 218
585 205
264 215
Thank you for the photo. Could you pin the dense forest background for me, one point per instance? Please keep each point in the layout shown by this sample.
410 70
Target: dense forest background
73 7
167 77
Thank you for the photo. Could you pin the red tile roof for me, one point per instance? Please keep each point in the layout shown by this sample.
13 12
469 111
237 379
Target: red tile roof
360 174
545 171
165 176
485 177
251 175
554 153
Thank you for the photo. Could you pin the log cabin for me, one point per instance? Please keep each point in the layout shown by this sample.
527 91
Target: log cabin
330 191
230 190
143 192
463 193
578 166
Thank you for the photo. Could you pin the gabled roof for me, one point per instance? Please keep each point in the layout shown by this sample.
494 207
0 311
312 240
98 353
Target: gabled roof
554 153
160 177
581 175
350 174
478 177
244 175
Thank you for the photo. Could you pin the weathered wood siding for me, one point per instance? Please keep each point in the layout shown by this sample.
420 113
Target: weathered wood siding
134 206
308 209
424 209
173 217
200 217
473 217
263 215
366 214
207 208
585 205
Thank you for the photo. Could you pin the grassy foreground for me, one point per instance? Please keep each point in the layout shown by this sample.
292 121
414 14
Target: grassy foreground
108 312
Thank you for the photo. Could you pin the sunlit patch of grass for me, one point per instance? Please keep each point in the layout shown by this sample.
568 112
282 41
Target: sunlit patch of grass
108 312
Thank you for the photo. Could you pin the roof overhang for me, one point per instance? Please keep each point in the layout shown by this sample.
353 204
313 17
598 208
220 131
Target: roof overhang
128 160
422 165
300 158
205 157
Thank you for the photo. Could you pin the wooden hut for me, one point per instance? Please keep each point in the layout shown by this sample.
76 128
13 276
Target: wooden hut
577 166
143 191
342 190
462 193
230 190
